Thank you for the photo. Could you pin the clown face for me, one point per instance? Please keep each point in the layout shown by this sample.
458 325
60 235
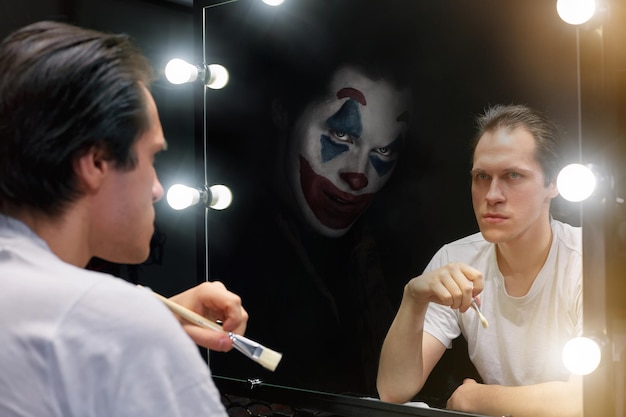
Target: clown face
343 149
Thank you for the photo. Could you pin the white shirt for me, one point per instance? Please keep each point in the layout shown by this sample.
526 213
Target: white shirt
526 335
80 343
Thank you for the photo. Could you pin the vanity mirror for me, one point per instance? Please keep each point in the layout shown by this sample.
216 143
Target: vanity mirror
320 271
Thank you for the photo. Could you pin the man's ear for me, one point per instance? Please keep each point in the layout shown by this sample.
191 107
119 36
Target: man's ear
91 169
553 190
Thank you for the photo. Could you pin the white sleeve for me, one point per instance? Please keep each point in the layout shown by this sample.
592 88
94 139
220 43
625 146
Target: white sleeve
441 322
134 361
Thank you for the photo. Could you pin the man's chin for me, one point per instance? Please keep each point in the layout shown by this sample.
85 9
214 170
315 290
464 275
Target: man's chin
325 230
129 258
332 233
493 236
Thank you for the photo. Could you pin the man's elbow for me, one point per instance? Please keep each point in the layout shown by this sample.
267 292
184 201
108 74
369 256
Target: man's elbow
391 398
391 395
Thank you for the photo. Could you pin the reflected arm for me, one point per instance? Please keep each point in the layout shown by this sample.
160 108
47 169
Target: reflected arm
549 399
408 354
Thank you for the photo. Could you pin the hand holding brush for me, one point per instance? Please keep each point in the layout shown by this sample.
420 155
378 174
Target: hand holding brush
262 355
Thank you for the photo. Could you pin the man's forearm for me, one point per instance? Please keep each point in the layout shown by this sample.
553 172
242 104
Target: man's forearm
400 371
550 399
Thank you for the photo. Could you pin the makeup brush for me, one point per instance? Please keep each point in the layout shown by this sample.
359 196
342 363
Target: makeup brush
483 320
265 357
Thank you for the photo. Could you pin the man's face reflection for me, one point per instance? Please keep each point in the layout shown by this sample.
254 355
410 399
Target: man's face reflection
344 148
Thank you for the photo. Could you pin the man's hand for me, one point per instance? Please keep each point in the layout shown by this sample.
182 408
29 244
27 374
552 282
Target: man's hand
453 285
463 397
213 301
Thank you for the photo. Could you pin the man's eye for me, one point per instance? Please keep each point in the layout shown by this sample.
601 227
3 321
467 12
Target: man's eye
514 175
384 151
341 136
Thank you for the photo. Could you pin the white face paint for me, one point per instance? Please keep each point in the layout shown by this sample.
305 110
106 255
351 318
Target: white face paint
343 149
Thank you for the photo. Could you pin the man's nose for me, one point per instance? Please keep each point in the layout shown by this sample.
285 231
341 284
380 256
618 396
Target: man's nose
494 193
356 180
157 190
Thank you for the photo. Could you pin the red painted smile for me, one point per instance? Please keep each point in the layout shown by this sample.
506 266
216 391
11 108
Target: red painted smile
336 209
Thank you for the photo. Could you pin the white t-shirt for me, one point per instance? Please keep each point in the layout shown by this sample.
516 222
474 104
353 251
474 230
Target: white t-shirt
526 335
80 343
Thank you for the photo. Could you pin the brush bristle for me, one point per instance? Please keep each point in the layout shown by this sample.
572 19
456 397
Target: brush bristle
269 359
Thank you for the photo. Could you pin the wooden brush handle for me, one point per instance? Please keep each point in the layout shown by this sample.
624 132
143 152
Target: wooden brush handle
189 315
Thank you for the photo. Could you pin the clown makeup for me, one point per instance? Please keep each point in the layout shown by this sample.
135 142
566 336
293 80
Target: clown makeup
343 149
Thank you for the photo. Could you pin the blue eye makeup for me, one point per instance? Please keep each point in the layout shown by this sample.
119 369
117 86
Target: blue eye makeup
381 167
347 119
331 149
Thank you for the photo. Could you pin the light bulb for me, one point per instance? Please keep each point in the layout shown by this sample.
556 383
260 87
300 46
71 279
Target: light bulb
180 196
221 197
581 355
576 12
218 77
179 71
273 2
217 197
576 182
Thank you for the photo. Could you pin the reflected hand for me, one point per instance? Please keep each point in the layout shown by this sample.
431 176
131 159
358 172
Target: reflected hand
213 301
465 396
453 285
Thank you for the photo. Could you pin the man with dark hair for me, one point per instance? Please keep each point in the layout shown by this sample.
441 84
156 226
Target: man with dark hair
527 268
79 132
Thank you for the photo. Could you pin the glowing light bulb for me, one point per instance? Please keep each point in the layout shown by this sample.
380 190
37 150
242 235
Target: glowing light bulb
273 2
581 355
221 197
576 12
217 197
180 196
179 71
576 182
218 77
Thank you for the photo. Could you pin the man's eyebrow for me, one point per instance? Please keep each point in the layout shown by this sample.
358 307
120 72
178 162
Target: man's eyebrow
352 93
518 169
508 169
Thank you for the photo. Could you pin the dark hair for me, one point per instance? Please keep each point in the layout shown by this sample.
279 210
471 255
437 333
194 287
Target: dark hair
545 133
63 91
